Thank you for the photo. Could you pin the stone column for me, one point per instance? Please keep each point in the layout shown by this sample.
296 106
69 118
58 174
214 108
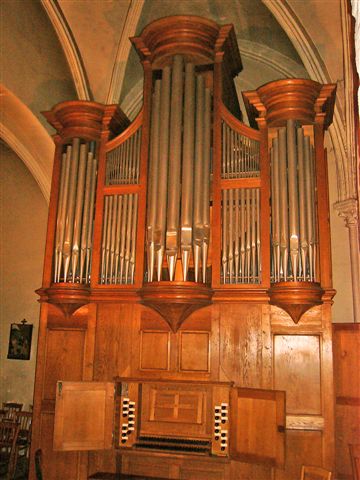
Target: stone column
348 209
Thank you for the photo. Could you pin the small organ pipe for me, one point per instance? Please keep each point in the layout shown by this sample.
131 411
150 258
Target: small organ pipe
111 278
231 235
242 230
128 237
123 235
293 198
187 170
133 239
258 241
276 210
253 234
237 233
163 167
224 233
175 162
117 237
248 235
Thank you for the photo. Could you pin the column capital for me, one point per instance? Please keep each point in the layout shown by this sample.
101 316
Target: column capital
349 211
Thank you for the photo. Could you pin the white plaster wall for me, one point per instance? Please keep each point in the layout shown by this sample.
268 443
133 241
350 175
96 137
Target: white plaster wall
23 219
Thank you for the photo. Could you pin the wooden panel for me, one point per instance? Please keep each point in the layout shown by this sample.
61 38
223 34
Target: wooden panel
194 351
154 350
257 426
297 370
113 347
198 470
247 471
347 361
142 464
347 390
84 416
302 448
175 410
64 358
241 344
56 465
347 428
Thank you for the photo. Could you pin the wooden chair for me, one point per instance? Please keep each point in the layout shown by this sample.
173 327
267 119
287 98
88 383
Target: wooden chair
38 464
314 473
24 419
8 436
355 460
11 408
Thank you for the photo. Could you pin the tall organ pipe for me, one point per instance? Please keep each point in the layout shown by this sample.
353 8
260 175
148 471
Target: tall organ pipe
293 198
173 206
198 193
69 222
60 227
78 209
206 181
304 242
187 170
309 205
163 167
153 176
284 224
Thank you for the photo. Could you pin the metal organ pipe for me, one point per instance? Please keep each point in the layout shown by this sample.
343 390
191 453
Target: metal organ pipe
187 170
163 167
206 181
173 206
74 225
293 213
198 194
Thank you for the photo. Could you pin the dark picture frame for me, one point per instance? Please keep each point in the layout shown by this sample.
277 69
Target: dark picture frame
20 341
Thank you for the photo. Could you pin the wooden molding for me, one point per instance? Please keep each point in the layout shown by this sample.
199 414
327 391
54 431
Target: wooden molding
303 100
175 301
66 296
197 39
296 298
87 120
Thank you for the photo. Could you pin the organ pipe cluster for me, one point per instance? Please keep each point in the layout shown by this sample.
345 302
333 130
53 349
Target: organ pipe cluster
293 211
178 217
122 163
241 261
240 154
118 249
75 215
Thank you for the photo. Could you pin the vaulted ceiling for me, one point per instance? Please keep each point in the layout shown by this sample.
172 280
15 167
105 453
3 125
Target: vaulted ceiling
56 50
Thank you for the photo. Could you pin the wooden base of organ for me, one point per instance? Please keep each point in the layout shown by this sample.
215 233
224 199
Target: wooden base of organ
248 255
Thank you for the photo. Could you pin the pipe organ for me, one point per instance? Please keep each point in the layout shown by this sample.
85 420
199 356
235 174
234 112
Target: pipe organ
188 254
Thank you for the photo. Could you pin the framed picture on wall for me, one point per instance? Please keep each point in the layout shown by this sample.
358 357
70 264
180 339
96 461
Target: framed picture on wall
20 341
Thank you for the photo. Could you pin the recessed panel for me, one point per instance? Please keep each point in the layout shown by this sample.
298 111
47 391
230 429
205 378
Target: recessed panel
297 371
194 351
154 351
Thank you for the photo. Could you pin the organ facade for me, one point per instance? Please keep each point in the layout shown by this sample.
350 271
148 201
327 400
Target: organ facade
186 299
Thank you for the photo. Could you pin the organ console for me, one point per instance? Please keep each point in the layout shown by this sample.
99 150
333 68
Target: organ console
187 279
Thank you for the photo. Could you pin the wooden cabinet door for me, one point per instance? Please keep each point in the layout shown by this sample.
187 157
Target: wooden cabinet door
257 426
84 416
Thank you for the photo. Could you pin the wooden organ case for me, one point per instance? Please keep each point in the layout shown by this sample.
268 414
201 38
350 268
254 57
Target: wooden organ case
187 280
